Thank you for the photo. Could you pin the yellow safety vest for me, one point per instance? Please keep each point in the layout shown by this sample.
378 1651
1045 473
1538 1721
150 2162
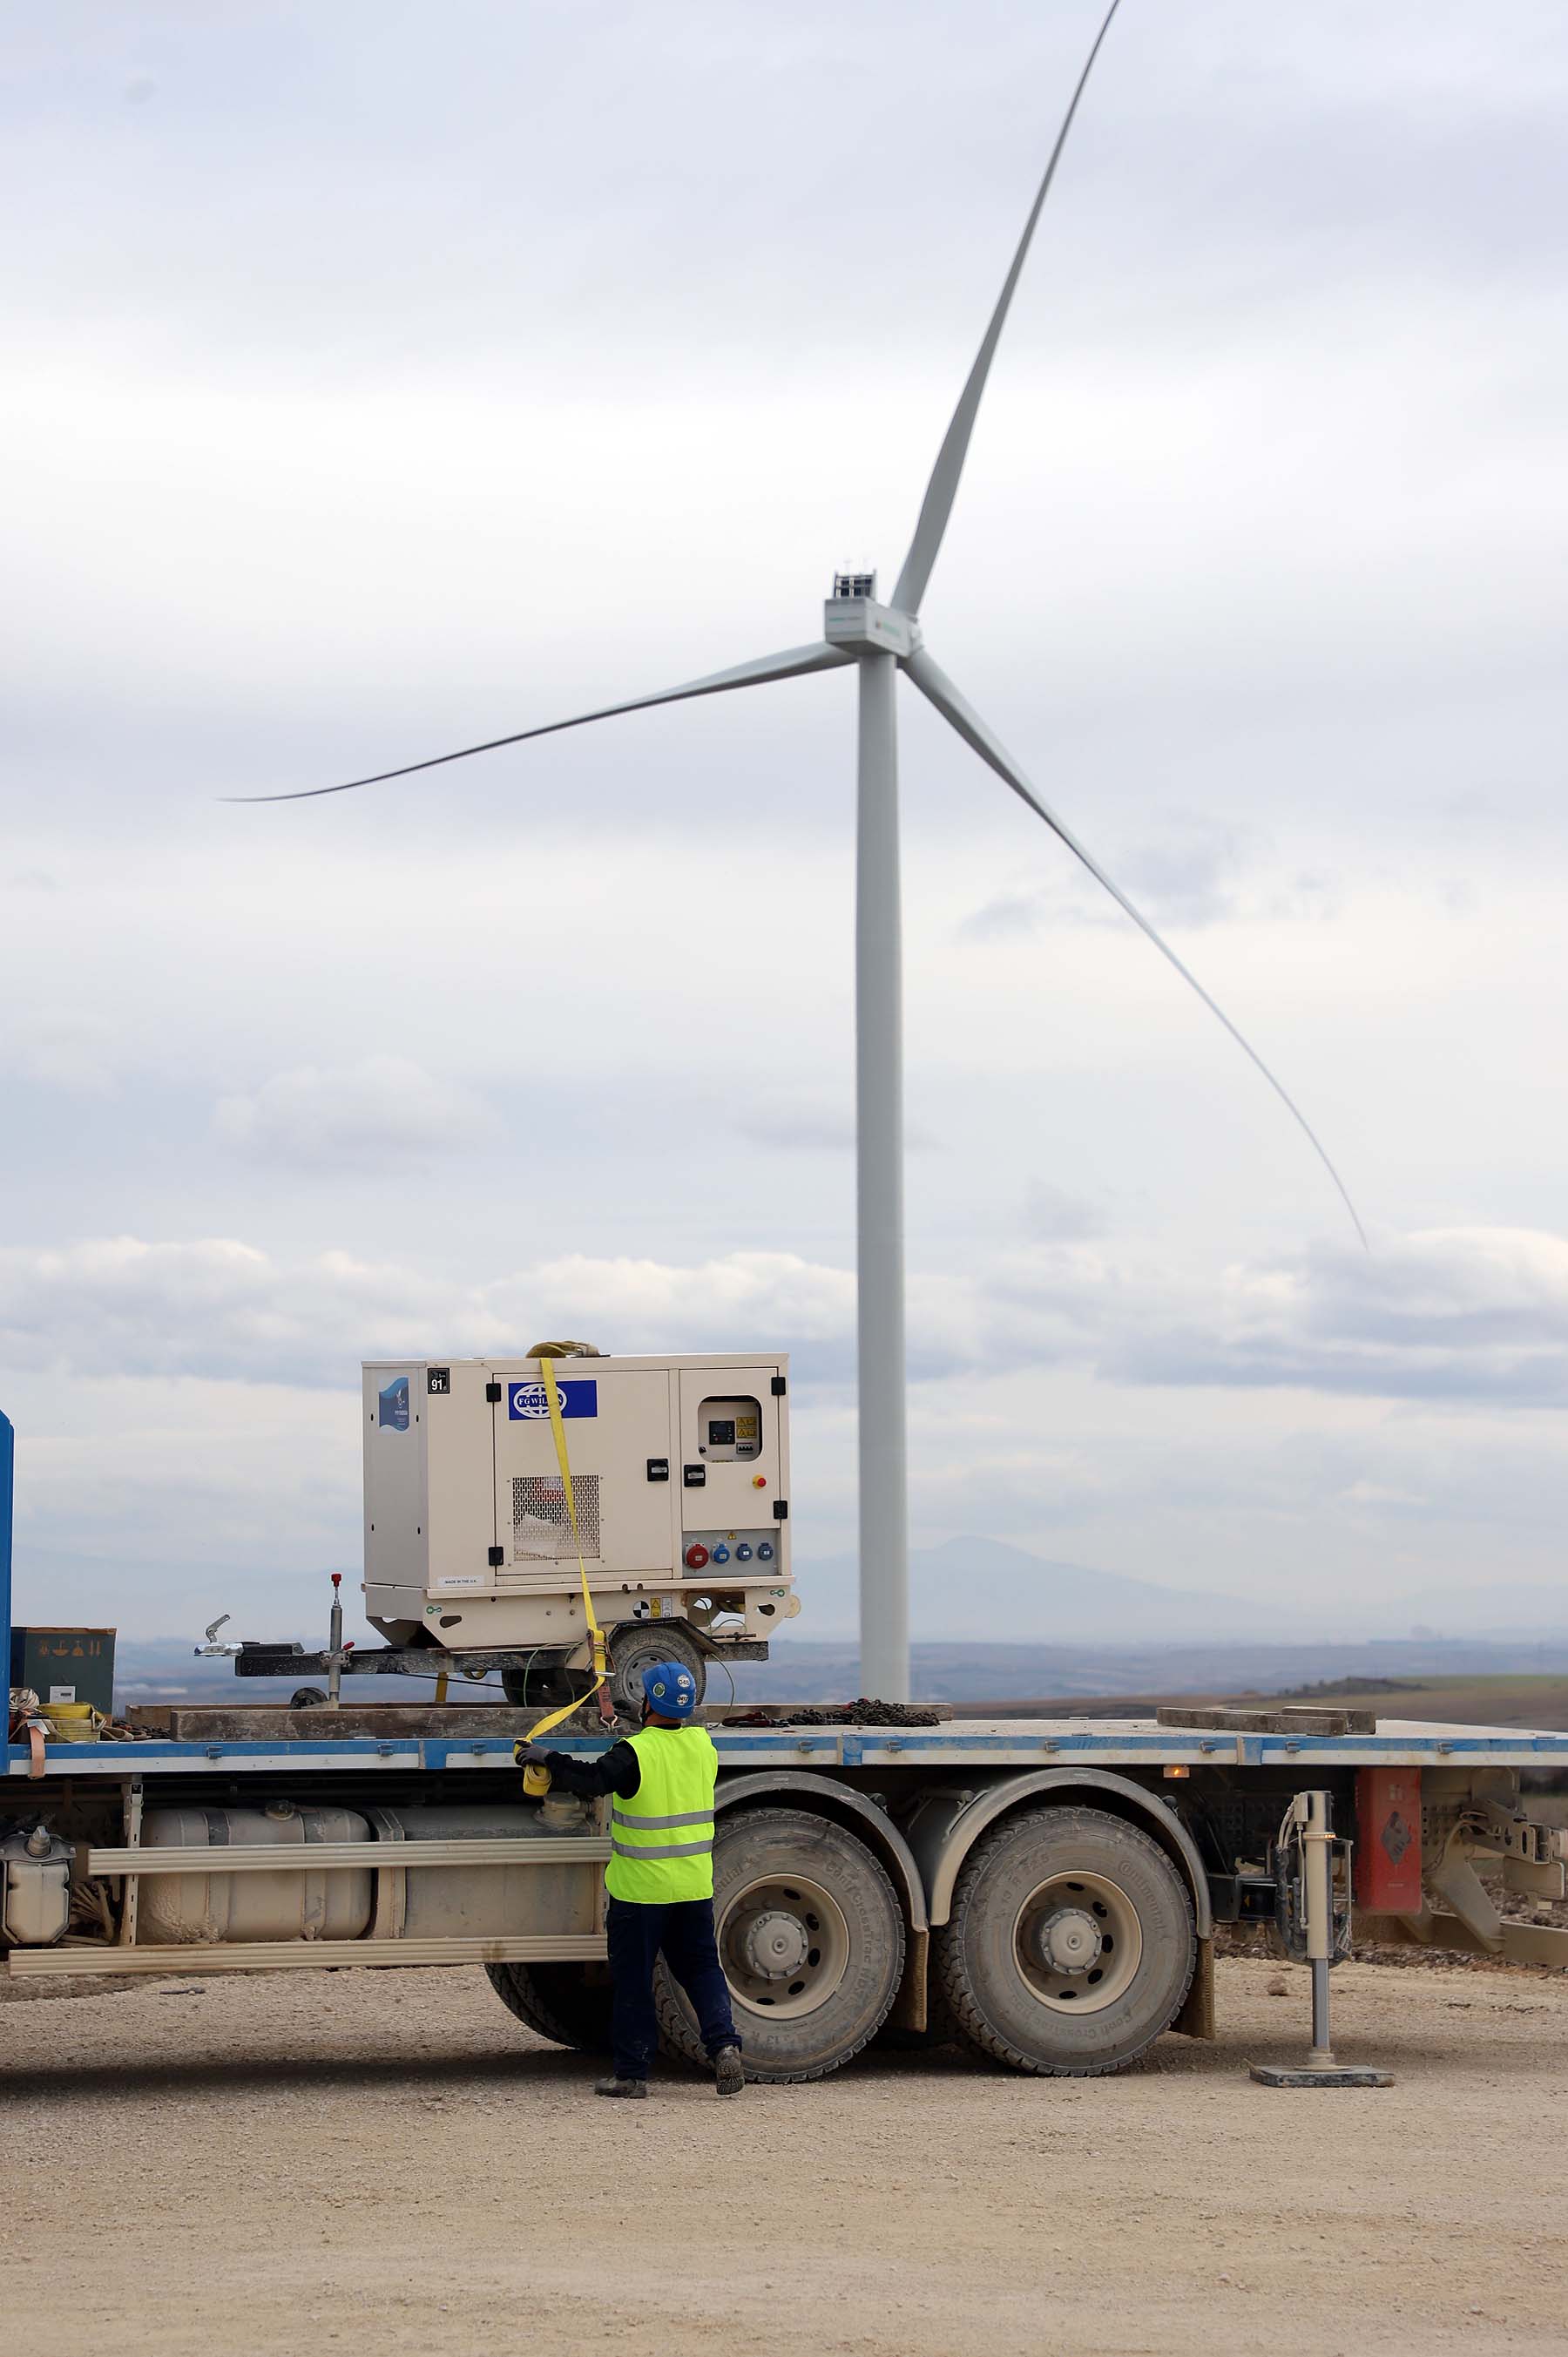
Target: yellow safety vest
662 1840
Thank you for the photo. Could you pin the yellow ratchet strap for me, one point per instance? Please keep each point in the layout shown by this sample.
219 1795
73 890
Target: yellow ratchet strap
536 1781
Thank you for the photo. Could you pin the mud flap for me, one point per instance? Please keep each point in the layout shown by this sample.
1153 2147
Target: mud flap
910 2009
1196 2019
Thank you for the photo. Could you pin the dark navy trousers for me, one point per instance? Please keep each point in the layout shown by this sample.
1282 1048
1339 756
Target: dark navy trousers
684 1934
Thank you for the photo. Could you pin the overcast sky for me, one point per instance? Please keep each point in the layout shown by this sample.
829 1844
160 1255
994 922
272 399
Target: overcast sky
380 380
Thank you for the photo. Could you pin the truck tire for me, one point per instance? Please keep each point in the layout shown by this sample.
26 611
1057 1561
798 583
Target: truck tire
559 2001
812 1939
1070 1945
636 1645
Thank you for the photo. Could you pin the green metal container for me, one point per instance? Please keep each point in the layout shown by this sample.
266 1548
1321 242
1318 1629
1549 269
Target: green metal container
66 1666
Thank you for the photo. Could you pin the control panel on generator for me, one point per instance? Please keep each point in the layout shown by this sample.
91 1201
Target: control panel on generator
679 1471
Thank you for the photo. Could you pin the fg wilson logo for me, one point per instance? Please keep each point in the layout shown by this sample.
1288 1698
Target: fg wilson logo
526 1402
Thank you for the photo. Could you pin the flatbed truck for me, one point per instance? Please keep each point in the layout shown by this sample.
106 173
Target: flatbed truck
1045 1891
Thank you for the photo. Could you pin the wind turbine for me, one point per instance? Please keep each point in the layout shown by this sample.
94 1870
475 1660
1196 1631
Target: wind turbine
884 640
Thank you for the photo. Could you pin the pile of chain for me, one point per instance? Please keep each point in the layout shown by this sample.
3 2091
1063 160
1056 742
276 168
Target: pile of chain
862 1713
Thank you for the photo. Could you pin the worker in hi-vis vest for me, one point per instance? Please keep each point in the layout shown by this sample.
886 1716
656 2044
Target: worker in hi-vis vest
660 1875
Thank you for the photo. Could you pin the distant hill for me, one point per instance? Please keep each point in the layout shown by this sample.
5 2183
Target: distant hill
1075 1675
967 1589
801 1670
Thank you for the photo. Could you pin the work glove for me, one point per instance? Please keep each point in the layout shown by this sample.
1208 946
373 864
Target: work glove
530 1755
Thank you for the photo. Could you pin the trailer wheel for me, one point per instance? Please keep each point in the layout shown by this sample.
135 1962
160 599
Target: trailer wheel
636 1645
1070 1945
543 1685
812 1939
561 2002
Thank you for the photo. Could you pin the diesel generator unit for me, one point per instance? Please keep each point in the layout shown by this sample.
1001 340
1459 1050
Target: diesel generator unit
680 1476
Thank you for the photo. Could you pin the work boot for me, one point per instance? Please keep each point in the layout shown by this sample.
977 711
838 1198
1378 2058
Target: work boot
635 2088
729 2078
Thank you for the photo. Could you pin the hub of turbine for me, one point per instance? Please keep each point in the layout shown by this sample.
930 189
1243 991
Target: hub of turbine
851 618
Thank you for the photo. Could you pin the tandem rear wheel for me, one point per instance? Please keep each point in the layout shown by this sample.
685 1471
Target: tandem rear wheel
569 2003
810 1936
1070 1945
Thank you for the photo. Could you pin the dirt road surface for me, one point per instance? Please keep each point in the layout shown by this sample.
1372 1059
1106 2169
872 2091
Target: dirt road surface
386 2162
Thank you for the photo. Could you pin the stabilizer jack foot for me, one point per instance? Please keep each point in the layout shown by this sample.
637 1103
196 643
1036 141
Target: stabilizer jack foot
1320 2074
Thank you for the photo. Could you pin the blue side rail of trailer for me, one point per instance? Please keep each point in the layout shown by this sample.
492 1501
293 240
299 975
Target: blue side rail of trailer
984 1744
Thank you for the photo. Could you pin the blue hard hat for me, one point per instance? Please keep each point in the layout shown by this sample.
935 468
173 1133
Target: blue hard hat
671 1689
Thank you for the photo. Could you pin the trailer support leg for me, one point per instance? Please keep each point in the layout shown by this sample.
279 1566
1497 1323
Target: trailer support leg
1320 2068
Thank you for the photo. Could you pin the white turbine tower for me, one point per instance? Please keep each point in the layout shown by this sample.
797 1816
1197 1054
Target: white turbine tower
884 639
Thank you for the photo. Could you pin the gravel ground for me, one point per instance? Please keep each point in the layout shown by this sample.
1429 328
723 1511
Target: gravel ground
387 2162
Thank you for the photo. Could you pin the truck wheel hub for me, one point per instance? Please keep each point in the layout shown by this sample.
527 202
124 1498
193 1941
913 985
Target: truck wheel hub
775 1945
1070 1941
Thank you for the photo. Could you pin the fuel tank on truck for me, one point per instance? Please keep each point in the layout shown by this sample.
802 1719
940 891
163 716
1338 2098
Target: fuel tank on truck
209 1905
392 1897
481 1902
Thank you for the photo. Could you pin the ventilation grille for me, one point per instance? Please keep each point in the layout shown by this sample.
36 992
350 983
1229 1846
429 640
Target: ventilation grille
541 1526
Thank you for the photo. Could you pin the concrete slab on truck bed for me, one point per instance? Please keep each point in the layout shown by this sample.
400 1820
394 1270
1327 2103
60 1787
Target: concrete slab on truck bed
252 1722
247 1722
975 1744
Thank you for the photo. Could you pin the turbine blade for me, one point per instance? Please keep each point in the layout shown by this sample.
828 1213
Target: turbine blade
942 488
936 686
795 659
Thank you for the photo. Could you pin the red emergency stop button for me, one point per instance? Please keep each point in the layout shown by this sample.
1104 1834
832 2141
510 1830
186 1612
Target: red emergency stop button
696 1556
760 1480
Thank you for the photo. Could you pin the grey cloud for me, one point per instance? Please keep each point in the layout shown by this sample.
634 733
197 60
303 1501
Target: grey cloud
1188 879
382 1113
1526 1378
1473 1315
1183 881
1012 915
76 1056
222 1309
1478 1315
376 250
1216 136
214 1308
802 1127
1056 1214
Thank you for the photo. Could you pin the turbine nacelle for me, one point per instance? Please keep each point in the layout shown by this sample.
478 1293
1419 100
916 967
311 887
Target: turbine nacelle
853 618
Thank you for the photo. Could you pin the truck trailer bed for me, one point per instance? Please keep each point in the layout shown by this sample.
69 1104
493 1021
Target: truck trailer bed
983 1744
1047 1889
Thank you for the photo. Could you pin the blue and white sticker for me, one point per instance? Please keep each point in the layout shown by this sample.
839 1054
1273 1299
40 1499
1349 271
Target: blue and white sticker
526 1402
393 1398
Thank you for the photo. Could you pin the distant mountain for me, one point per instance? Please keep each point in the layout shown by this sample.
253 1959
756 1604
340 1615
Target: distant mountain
972 1589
